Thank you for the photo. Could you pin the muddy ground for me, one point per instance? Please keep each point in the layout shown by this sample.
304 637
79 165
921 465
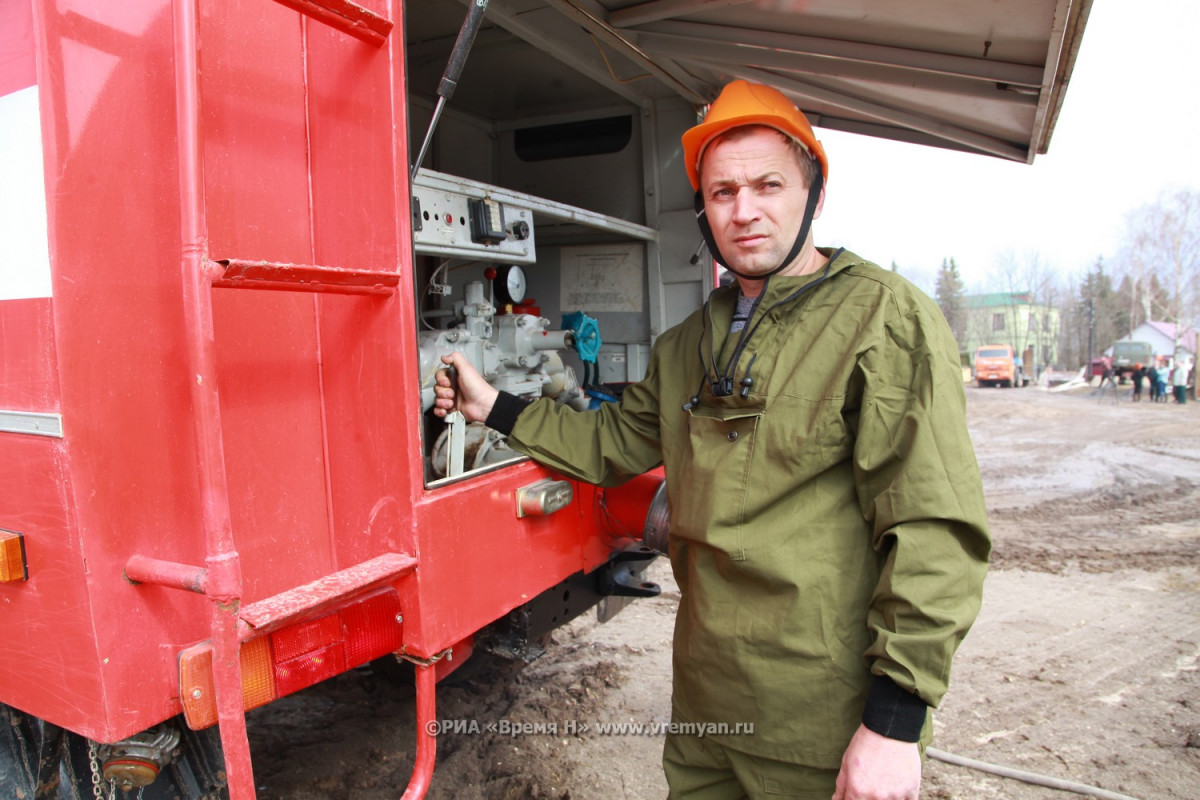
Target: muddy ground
1082 666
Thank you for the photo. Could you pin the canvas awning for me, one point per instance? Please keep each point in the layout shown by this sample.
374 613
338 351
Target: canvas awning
982 77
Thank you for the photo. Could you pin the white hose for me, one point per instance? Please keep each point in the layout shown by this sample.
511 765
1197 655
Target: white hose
1027 777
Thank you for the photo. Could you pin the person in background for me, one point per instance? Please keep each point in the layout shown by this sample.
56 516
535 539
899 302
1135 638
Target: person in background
1162 377
1152 382
1179 381
1136 376
828 529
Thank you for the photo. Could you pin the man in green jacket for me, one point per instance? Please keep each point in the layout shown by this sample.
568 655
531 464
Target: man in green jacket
828 530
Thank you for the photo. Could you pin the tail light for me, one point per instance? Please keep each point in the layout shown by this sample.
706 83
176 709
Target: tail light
658 520
294 657
638 510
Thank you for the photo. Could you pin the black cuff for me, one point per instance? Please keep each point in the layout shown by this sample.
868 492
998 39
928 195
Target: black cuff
504 413
894 712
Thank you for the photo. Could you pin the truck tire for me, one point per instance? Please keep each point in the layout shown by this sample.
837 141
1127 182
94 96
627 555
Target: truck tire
41 760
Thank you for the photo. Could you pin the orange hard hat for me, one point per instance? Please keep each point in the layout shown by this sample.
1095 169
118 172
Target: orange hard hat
743 103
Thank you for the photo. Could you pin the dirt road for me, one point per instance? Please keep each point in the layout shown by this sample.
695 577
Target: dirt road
1083 664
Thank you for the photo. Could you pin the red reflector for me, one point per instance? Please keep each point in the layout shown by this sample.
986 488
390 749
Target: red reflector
305 637
298 673
373 628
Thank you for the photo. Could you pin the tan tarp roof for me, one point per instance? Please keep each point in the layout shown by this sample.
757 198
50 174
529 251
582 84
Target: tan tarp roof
984 76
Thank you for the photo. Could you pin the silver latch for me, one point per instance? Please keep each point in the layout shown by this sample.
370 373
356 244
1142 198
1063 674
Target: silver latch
544 497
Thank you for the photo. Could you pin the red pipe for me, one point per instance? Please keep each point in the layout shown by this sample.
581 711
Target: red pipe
143 569
224 576
422 775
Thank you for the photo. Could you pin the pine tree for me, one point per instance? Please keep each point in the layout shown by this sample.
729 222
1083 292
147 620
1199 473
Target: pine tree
1108 312
951 294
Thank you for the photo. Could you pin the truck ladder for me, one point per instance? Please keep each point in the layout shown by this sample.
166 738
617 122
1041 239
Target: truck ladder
220 579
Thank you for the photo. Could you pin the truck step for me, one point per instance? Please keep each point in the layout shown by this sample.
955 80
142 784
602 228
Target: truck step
273 612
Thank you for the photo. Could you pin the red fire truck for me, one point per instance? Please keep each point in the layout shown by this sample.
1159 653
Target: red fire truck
235 238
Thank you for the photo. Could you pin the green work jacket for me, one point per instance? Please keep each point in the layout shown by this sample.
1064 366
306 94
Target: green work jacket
827 526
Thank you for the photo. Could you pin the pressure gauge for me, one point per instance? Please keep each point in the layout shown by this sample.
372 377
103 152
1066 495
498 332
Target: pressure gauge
509 285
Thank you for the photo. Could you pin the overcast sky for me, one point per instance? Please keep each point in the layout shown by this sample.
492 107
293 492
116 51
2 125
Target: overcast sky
1129 131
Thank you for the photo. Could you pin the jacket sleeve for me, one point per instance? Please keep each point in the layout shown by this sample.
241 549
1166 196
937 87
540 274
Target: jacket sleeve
606 446
920 490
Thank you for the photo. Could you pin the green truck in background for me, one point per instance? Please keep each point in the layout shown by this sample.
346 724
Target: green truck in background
1127 356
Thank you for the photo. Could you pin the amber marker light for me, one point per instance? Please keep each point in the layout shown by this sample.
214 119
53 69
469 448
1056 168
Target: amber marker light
13 567
197 696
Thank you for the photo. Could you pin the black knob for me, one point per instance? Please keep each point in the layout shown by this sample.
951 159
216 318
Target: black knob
520 229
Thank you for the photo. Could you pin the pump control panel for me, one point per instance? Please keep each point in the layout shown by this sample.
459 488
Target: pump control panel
457 218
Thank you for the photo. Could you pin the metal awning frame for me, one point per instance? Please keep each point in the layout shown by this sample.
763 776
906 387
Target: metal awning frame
841 84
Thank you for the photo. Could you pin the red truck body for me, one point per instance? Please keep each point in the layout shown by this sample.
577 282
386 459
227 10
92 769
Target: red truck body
158 405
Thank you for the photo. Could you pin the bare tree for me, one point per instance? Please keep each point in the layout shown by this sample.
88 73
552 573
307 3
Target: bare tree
1161 256
1074 326
1032 294
1134 268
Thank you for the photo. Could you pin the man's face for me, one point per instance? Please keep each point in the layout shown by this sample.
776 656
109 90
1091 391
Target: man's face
754 196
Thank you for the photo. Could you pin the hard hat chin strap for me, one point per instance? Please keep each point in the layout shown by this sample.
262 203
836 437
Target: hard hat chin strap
810 208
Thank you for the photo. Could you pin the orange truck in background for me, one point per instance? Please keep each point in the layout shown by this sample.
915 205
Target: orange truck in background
998 365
